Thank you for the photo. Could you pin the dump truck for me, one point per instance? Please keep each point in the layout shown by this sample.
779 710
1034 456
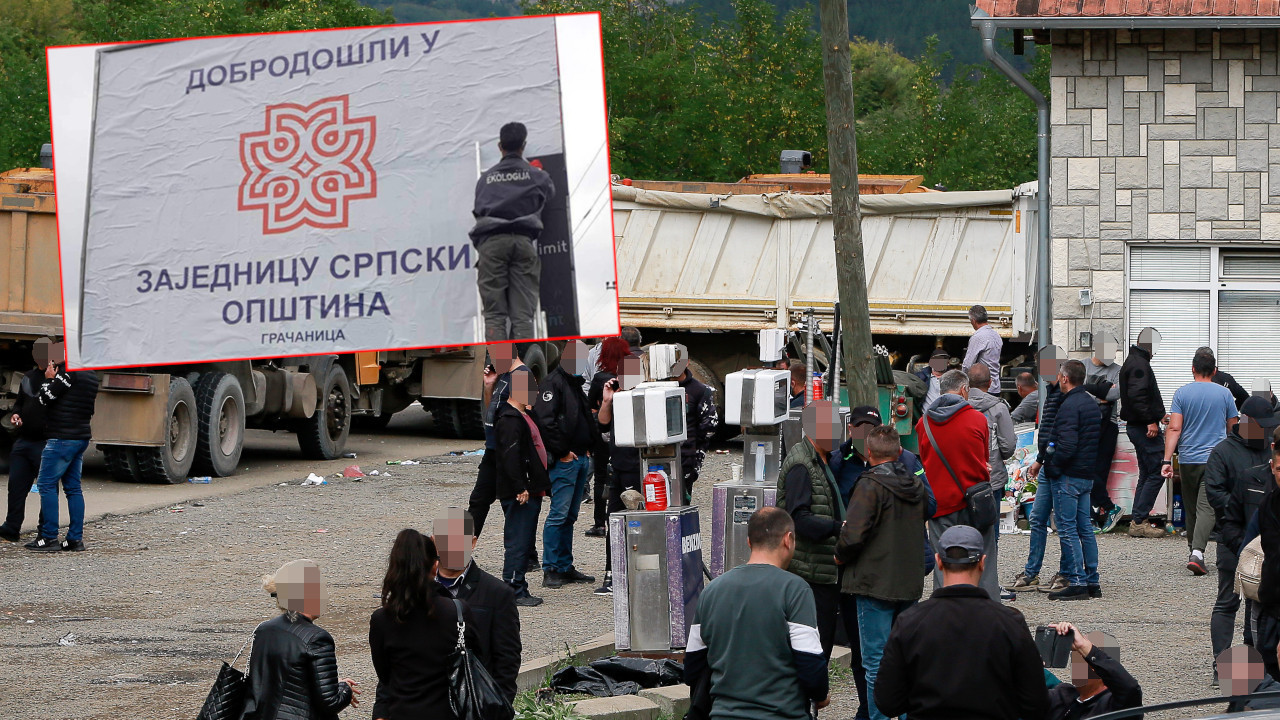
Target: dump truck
164 423
710 264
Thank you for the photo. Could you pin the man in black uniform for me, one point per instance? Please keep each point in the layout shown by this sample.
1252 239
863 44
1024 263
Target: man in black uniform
508 211
702 420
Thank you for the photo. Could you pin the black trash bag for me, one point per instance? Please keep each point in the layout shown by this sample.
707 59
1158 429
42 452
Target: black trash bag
584 680
647 673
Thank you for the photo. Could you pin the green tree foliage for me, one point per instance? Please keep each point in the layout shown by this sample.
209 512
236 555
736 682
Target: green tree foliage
977 134
693 102
27 26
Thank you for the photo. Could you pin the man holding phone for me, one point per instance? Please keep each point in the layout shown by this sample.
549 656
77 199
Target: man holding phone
1099 683
68 399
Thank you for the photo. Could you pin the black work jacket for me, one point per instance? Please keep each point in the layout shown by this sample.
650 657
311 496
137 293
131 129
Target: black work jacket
562 416
519 468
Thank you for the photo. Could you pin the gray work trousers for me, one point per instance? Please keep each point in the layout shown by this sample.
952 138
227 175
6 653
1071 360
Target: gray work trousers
990 577
508 275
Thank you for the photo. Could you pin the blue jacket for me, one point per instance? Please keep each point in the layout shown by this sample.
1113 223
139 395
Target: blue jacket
847 466
1075 432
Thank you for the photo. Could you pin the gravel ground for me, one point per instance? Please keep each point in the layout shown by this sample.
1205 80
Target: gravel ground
162 597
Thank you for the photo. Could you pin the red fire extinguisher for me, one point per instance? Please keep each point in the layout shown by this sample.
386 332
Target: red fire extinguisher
817 386
655 489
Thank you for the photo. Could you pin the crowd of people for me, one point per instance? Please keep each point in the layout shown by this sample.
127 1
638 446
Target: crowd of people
849 517
549 440
860 523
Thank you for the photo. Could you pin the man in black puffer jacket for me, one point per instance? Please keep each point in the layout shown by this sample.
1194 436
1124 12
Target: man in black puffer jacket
1246 450
68 399
1142 409
1069 460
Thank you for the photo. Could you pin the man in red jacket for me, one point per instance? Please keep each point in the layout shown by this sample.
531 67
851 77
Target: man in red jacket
960 435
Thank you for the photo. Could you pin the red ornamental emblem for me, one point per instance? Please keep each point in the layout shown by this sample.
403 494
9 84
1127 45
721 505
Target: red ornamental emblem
307 165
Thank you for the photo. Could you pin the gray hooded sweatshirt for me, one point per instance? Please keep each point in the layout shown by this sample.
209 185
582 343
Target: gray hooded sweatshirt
1003 438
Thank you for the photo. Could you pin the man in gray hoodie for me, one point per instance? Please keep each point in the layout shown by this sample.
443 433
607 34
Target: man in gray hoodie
1003 439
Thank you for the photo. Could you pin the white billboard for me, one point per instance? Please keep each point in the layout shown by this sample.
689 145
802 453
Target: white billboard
311 192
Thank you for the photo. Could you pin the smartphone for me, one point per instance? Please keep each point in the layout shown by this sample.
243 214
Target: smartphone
1055 649
489 368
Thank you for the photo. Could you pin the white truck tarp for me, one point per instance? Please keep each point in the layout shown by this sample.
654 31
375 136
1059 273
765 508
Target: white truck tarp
698 261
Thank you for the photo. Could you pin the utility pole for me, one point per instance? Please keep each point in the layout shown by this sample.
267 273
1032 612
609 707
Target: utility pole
842 144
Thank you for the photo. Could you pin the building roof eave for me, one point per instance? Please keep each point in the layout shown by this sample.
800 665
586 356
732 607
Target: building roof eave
1091 22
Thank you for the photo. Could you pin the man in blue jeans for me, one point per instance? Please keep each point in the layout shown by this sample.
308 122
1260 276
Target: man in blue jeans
568 432
1069 461
67 398
1041 508
879 546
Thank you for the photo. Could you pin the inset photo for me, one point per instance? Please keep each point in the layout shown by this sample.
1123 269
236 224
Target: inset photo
302 193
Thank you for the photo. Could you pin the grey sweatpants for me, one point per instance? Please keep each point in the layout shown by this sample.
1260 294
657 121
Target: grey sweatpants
508 275
990 577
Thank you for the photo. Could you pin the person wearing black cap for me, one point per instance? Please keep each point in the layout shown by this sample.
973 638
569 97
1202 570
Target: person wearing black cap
1000 675
1246 450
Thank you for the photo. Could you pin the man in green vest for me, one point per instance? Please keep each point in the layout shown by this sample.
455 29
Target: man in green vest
807 490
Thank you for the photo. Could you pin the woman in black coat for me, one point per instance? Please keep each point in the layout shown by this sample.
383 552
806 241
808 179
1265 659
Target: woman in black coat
293 670
522 482
413 635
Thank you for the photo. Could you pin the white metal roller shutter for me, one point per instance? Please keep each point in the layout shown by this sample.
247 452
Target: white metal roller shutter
1247 321
1182 317
1160 264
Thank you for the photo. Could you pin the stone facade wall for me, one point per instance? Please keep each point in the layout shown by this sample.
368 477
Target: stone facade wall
1157 136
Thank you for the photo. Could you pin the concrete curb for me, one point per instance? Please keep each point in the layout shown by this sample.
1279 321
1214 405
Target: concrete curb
672 701
534 673
622 707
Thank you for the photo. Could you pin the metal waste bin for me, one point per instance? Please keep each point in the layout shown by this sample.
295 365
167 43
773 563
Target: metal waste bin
657 577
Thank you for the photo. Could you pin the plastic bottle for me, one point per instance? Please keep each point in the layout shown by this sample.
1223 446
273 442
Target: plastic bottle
817 386
655 489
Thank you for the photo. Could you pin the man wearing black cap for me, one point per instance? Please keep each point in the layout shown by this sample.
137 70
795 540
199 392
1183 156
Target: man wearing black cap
1000 675
1245 451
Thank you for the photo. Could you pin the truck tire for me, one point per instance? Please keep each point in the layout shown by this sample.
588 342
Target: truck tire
324 435
469 419
441 416
220 406
122 463
536 359
171 462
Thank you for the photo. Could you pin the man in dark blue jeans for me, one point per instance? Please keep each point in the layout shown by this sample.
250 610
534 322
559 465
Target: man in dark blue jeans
568 433
68 399
1069 460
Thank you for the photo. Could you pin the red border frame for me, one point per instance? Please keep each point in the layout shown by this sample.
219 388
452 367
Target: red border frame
608 164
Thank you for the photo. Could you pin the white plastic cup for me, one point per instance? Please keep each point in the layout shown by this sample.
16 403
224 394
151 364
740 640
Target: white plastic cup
737 472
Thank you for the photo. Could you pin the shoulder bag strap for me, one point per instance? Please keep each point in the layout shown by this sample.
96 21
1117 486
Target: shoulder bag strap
929 432
245 645
462 627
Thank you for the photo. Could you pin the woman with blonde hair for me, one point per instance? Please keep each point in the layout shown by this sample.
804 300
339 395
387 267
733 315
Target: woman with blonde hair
293 670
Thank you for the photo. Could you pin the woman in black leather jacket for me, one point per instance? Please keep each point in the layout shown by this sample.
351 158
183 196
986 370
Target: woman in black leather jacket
293 671
413 635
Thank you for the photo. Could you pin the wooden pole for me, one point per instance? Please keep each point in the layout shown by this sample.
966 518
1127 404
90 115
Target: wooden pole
851 274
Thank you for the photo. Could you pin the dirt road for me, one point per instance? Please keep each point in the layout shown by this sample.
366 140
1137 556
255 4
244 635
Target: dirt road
163 596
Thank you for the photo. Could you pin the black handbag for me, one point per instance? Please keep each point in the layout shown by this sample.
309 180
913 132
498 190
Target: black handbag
473 695
226 698
980 503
